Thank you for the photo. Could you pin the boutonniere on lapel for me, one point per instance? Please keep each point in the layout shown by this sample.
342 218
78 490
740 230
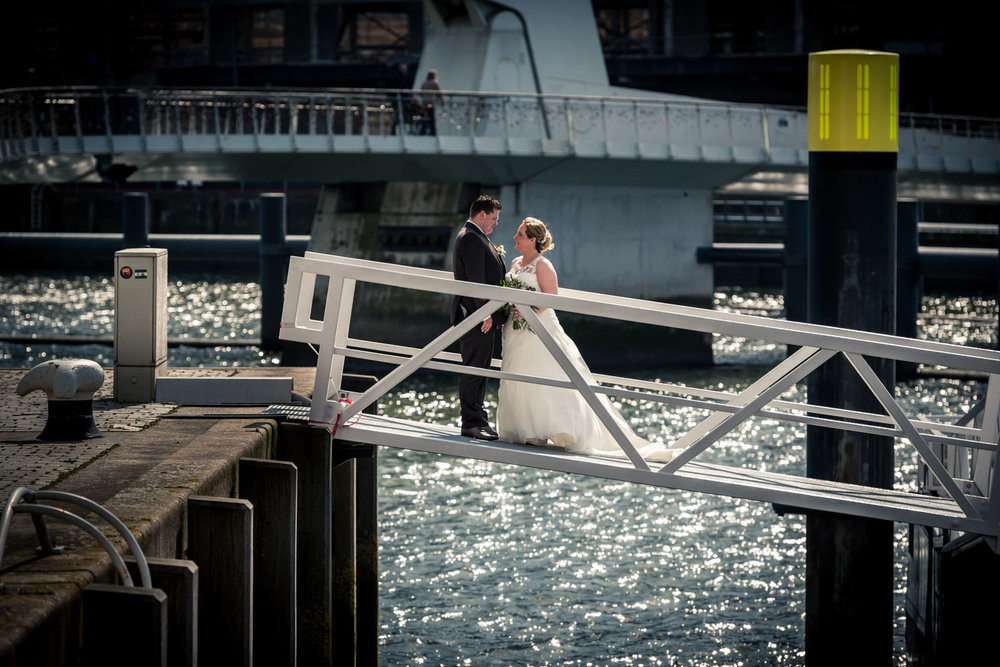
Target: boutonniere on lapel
499 249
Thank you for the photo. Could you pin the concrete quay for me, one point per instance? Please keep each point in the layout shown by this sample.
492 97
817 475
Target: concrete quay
152 458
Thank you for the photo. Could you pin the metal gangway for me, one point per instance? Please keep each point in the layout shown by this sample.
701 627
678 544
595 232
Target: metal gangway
957 453
240 132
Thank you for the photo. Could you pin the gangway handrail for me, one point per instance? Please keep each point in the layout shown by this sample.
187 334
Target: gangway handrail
684 317
816 344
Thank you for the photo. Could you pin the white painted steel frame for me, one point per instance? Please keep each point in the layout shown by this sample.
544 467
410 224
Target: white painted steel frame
964 509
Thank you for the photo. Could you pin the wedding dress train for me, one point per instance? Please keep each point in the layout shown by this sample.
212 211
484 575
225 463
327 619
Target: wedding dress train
534 413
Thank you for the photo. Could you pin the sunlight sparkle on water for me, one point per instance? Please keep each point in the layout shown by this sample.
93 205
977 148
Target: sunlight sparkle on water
515 565
198 306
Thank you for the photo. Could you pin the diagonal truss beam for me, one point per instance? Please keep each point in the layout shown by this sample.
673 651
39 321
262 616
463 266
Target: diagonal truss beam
795 367
910 432
406 369
584 387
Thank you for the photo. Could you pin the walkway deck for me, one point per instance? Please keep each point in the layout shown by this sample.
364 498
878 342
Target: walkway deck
799 492
328 135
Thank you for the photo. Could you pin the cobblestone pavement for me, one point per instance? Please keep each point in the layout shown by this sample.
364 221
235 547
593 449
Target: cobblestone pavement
25 461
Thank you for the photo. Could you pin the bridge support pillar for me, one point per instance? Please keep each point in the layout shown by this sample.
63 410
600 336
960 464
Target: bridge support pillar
852 276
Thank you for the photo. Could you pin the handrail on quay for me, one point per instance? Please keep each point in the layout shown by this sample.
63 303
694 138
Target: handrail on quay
24 500
959 456
72 121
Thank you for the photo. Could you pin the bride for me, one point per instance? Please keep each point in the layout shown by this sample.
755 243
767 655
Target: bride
540 414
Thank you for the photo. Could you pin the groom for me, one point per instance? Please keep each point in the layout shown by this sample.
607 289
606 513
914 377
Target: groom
476 260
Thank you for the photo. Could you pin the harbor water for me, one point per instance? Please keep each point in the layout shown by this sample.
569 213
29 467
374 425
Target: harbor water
489 564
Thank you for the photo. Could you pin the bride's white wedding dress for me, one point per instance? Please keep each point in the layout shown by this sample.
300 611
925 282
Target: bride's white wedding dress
534 413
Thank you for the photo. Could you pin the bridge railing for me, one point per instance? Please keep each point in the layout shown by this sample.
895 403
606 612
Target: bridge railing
956 452
40 122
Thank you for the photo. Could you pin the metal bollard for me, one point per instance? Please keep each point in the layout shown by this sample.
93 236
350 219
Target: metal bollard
69 385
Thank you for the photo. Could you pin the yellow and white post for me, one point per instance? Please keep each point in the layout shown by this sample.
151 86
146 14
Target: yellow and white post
853 144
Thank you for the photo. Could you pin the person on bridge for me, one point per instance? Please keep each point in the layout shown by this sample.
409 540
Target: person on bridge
430 100
539 414
477 260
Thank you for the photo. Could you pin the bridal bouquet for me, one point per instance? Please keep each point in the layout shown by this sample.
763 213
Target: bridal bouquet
515 317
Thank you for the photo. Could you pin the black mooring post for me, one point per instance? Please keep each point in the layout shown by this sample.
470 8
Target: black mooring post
851 274
909 282
273 266
796 258
135 220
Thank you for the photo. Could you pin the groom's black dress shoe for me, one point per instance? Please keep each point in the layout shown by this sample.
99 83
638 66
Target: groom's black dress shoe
481 432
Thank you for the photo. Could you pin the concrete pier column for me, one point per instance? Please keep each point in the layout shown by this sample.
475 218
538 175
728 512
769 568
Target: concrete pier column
852 256
135 220
273 267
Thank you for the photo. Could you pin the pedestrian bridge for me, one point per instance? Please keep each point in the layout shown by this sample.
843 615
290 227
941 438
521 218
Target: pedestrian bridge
956 452
334 135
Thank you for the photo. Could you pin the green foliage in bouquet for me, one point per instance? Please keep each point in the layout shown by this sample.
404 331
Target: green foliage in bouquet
515 317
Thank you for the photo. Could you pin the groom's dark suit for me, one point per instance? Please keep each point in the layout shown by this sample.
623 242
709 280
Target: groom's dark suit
476 260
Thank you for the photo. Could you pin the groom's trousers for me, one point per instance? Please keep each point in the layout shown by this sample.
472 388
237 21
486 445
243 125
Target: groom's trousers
477 350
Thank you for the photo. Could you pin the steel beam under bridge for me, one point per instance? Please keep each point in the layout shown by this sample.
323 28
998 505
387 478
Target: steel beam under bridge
427 165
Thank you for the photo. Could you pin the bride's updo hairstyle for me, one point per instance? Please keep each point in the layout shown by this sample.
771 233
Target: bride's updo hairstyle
539 233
